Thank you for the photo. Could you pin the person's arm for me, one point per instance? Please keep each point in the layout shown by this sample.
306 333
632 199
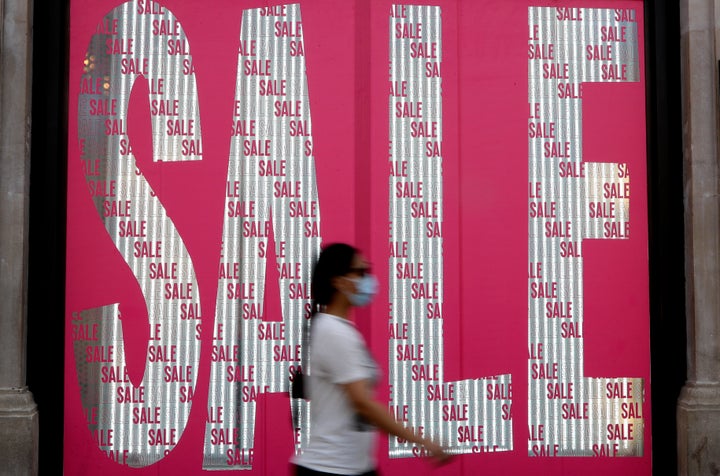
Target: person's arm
374 412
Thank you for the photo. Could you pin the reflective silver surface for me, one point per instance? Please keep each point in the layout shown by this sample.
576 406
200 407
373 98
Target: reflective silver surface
467 416
271 193
139 424
569 201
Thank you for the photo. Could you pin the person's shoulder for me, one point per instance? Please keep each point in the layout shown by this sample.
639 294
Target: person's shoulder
333 325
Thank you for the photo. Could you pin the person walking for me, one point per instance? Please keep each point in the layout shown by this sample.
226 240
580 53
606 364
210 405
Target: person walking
344 412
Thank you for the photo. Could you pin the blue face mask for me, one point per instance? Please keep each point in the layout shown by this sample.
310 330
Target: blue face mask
366 287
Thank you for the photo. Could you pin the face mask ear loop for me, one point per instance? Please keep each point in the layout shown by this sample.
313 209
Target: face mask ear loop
348 294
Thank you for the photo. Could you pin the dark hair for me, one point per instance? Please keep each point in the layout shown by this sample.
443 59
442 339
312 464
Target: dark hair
334 260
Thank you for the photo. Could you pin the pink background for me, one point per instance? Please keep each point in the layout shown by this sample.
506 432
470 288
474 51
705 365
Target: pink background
485 109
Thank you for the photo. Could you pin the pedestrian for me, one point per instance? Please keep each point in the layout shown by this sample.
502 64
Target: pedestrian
342 375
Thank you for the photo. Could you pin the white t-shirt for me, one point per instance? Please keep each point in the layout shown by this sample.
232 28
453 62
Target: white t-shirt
340 442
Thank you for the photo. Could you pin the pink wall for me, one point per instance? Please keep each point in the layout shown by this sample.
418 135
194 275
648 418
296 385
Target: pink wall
485 224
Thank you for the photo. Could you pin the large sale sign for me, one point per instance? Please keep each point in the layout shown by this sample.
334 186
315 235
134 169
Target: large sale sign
487 157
